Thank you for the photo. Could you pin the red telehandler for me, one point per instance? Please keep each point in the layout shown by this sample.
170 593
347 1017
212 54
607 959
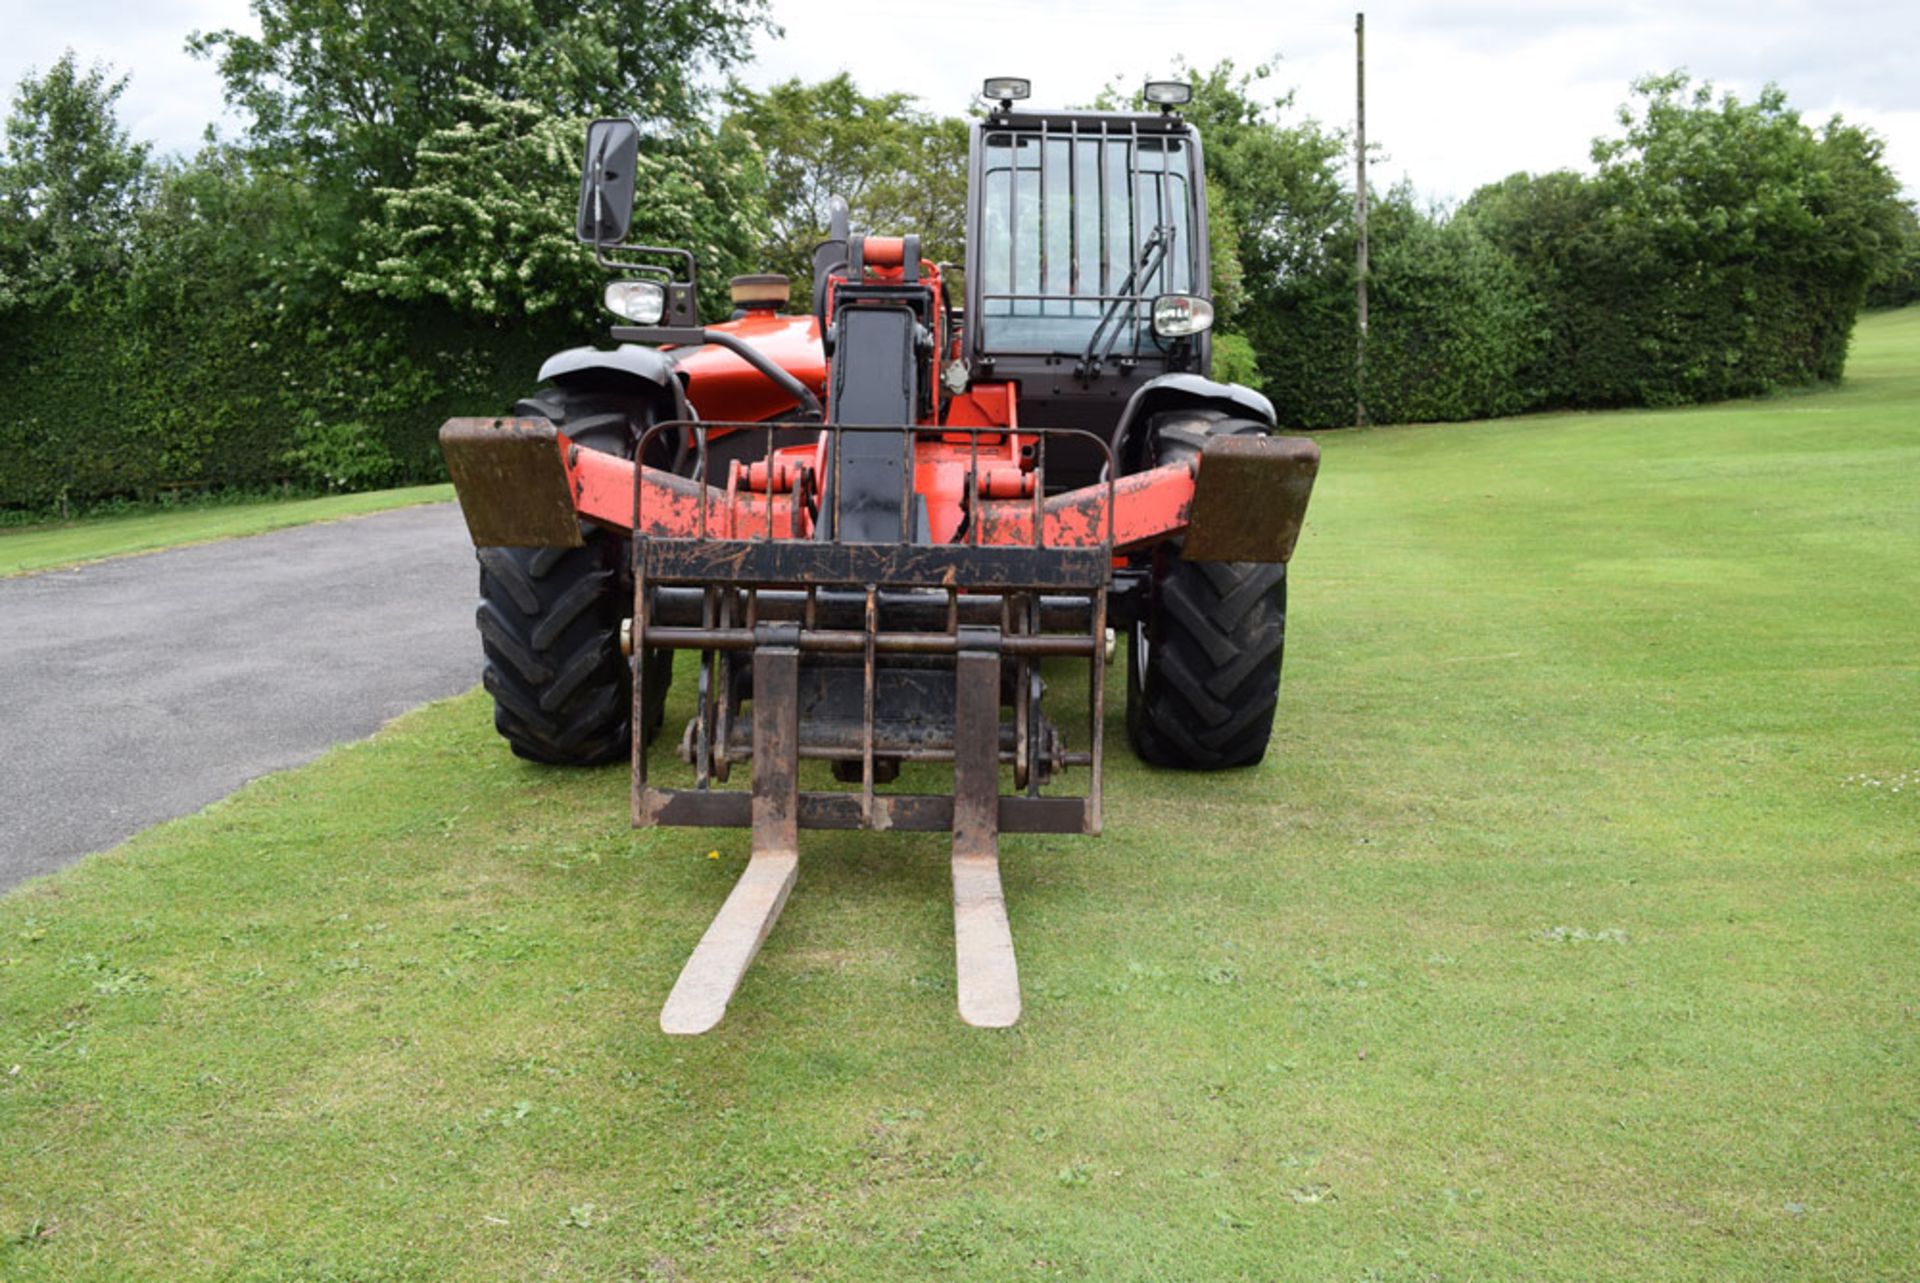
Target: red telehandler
878 523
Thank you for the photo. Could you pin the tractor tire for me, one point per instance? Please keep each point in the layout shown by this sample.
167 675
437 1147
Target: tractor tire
550 617
1203 660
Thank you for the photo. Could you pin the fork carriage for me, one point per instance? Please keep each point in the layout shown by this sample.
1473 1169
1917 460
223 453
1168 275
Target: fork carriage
868 656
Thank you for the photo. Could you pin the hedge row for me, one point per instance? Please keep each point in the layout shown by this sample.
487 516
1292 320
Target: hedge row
1450 323
1720 249
106 400
1464 326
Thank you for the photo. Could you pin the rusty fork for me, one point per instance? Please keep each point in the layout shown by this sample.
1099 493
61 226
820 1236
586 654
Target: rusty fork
981 643
707 983
989 978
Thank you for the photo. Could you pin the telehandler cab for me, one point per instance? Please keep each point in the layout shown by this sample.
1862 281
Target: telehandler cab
880 520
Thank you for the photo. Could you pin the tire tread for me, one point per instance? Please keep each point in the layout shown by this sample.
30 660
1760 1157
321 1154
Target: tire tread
549 618
1217 633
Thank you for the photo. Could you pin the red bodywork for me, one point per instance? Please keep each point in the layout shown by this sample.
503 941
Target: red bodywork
723 388
1146 507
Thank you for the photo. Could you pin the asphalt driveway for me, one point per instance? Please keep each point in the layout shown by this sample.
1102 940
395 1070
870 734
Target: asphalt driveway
139 689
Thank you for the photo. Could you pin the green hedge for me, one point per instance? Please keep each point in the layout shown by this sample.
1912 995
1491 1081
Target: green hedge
1450 327
254 330
1721 248
1630 318
108 401
1693 334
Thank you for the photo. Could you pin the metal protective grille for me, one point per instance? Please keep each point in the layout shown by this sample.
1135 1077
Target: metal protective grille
1067 212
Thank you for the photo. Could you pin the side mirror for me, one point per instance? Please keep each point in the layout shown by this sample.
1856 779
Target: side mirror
606 181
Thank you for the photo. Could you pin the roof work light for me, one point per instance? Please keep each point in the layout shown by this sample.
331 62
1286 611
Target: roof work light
1168 94
1007 89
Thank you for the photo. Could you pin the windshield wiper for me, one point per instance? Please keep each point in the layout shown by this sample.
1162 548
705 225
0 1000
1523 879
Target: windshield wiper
1152 253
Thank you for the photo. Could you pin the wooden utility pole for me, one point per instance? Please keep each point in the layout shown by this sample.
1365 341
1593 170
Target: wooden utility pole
1360 218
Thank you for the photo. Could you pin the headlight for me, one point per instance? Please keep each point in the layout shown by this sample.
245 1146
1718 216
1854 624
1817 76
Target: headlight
1007 88
1175 316
642 302
1168 93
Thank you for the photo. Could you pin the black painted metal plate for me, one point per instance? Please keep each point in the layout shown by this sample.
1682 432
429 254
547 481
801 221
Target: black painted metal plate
1250 498
911 812
511 481
798 561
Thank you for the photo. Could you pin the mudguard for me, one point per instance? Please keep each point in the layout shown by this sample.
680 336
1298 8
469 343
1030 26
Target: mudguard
1183 392
630 363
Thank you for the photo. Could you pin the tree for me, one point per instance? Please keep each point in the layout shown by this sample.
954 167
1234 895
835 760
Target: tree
1723 248
487 224
1275 203
1280 184
351 87
70 183
1896 282
1701 181
439 142
900 168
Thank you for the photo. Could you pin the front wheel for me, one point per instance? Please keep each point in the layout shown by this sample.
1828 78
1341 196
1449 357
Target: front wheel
1203 660
550 617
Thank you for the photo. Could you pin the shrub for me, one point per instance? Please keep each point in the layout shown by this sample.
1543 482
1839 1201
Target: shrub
341 456
1234 361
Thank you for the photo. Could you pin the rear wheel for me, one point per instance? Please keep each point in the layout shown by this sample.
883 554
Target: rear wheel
550 617
1203 661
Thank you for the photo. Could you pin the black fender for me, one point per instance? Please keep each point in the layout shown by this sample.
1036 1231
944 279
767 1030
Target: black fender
644 368
1174 392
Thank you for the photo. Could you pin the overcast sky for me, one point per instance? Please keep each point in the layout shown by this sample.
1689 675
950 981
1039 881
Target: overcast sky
1458 94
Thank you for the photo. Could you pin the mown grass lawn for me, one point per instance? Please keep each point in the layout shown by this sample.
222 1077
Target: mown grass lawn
1568 932
59 544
